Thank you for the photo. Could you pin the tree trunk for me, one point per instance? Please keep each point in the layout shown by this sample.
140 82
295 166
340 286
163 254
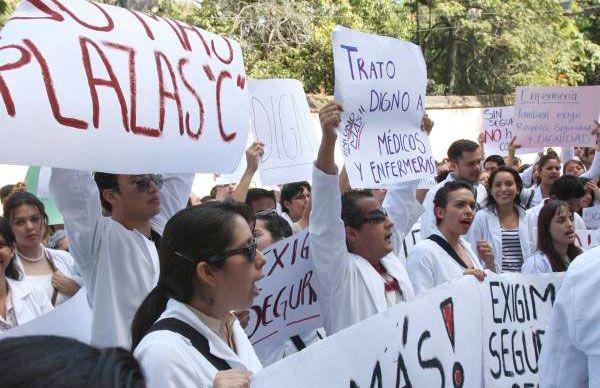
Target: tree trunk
451 47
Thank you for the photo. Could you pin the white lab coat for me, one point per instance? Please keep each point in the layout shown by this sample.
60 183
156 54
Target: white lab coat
170 360
429 265
29 302
537 263
63 262
428 224
348 287
531 219
119 266
571 353
486 227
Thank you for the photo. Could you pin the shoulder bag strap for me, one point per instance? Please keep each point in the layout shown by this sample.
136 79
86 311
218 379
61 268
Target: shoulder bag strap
198 340
446 246
51 262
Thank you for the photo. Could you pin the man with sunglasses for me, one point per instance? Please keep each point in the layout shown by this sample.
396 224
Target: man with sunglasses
114 223
356 271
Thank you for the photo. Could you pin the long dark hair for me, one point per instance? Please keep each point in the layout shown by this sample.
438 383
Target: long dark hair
490 201
63 362
441 196
196 232
8 236
545 242
19 199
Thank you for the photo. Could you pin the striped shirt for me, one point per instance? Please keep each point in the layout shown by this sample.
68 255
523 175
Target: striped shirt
512 255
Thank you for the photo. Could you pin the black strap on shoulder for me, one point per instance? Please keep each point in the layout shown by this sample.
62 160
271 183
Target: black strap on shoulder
298 343
528 205
155 237
198 340
446 246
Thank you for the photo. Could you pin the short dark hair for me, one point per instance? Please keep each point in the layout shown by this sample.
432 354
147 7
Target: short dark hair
276 225
441 196
545 243
106 181
456 149
21 198
11 270
65 362
499 160
290 190
567 187
490 201
351 213
255 193
5 191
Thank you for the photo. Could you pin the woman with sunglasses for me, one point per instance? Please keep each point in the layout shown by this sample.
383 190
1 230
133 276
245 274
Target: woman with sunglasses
20 302
184 333
50 269
445 255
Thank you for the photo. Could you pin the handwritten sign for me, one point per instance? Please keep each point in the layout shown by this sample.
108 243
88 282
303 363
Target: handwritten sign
558 116
516 311
587 238
71 319
591 217
497 123
287 303
97 87
429 342
281 120
436 340
380 82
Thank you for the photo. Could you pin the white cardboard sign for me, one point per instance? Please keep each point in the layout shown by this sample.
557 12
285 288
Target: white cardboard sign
556 116
516 311
591 217
281 120
287 304
96 87
380 82
71 319
428 342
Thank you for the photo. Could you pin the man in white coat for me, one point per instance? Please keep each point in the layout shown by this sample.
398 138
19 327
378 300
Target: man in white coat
356 273
117 254
571 352
465 163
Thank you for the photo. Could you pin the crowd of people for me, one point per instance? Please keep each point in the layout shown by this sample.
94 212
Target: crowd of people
170 282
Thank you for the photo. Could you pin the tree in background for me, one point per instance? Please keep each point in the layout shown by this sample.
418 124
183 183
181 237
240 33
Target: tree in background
470 46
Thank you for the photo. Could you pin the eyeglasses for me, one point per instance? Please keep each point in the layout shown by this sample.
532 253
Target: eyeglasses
249 251
142 183
375 217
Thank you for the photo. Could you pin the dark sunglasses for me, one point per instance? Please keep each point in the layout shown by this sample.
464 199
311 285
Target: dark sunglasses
249 251
142 183
375 217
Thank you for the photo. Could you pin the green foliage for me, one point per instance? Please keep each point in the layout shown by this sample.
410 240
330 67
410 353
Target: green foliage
470 46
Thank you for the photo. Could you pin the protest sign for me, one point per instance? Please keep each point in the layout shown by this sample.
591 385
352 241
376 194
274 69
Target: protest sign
380 82
587 238
516 311
97 87
497 127
556 116
37 181
428 342
71 319
287 304
454 335
281 120
591 217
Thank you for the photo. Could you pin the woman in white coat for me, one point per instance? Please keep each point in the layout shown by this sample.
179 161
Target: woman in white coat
19 302
556 240
498 229
445 255
50 269
184 333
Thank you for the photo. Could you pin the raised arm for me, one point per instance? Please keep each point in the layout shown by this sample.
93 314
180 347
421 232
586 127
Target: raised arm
327 232
173 197
253 154
76 196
